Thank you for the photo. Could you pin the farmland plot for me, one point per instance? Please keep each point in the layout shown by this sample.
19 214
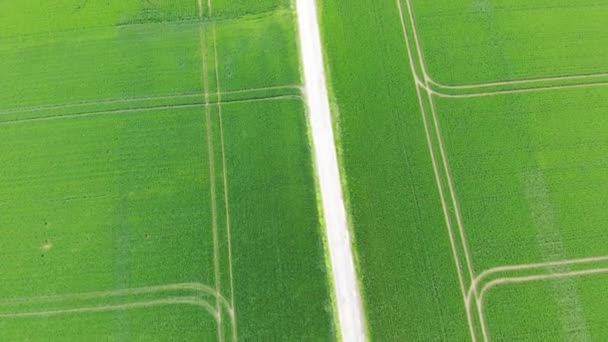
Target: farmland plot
486 120
156 175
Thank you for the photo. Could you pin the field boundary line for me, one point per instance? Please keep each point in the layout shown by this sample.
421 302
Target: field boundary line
210 159
103 112
442 151
451 187
200 287
186 300
532 80
523 81
436 172
531 278
446 168
270 98
516 91
16 110
539 277
522 267
143 109
446 214
225 180
339 243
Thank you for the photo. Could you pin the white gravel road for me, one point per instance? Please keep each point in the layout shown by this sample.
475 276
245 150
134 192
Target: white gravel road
348 298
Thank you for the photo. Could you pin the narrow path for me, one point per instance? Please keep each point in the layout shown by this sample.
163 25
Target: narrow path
348 299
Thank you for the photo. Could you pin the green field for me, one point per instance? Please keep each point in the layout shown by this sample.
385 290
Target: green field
537 299
471 41
472 138
408 281
156 177
157 181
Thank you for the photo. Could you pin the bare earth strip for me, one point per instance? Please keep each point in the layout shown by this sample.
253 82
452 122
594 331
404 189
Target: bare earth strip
350 313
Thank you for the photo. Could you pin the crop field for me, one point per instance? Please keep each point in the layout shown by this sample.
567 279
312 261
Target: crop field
156 176
473 140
